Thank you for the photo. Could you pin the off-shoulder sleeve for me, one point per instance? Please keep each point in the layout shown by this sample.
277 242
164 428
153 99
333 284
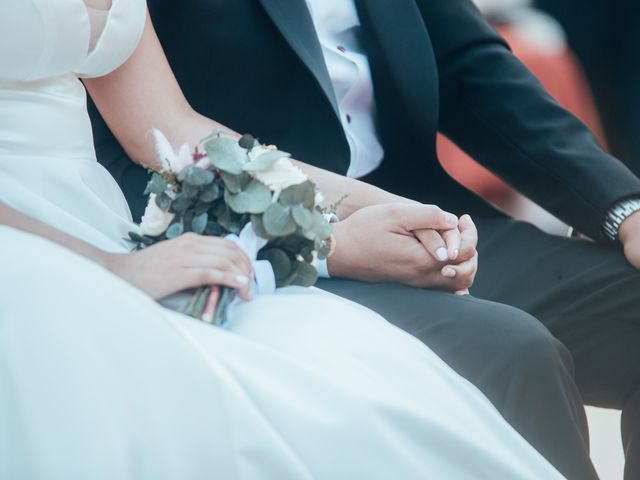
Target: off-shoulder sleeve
119 38
46 38
42 38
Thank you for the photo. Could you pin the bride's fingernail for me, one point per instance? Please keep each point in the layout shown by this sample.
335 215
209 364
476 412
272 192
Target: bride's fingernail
455 254
451 219
441 253
242 279
449 272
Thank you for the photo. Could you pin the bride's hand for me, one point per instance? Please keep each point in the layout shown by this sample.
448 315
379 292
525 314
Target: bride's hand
188 261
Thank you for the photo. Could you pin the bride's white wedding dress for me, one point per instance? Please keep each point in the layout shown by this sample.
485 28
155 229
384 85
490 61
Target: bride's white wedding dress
99 381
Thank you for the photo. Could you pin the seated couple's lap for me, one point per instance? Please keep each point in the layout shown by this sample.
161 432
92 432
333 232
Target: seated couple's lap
100 381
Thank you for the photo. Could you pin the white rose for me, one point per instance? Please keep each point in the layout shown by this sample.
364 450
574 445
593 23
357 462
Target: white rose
155 221
281 175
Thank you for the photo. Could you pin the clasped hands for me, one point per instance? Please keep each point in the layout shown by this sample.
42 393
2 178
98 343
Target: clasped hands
413 244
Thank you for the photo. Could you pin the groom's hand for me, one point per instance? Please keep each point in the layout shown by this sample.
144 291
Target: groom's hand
629 235
406 243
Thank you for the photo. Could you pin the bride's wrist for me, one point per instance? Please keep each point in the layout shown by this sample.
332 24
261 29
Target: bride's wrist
110 261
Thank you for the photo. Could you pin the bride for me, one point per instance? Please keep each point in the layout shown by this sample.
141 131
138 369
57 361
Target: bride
97 380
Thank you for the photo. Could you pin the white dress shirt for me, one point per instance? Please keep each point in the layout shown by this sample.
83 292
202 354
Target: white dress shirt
337 25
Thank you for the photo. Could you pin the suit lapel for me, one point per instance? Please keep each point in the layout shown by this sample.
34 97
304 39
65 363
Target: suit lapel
400 35
294 21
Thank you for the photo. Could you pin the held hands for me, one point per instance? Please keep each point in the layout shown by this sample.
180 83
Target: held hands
188 261
417 245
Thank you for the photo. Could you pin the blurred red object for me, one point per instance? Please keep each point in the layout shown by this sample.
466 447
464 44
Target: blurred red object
563 78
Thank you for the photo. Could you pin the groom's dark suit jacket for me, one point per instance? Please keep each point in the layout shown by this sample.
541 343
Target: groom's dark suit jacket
257 66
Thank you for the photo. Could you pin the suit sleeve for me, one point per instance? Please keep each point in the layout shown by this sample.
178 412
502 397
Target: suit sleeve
495 110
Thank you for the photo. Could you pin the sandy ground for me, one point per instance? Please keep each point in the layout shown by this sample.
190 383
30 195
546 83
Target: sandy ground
606 445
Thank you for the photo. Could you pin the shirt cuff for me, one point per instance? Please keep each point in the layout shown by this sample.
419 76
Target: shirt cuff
322 266
323 269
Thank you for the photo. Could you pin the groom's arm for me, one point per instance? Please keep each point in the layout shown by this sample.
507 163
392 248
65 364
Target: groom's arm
494 109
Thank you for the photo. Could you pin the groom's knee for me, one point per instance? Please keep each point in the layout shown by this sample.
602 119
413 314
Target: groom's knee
498 346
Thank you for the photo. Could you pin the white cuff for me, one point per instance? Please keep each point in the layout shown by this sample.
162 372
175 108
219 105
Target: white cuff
321 266
323 269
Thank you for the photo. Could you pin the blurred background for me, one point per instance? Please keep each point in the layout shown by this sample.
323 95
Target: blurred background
587 55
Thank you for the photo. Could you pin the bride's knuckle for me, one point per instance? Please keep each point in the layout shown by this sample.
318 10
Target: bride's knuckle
226 264
205 276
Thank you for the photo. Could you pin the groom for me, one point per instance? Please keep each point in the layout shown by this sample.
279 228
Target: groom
361 87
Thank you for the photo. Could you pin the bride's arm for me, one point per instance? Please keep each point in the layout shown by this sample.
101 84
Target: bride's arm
12 218
160 270
143 94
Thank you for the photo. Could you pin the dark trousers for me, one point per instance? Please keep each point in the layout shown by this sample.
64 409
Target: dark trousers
553 323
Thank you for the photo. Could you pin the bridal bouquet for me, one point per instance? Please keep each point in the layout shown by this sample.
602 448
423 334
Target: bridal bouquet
242 190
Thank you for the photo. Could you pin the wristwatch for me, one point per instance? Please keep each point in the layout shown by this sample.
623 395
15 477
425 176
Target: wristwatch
618 214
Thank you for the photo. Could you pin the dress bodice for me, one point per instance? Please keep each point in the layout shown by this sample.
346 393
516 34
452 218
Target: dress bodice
48 167
45 45
47 38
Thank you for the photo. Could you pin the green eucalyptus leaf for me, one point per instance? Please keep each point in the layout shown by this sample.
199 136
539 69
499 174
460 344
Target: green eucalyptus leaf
255 198
163 201
180 204
278 221
292 243
200 208
189 191
211 193
309 234
175 230
302 216
230 221
196 176
235 182
219 208
265 161
258 227
280 262
305 275
143 239
226 155
214 229
320 226
199 223
303 193
307 253
156 185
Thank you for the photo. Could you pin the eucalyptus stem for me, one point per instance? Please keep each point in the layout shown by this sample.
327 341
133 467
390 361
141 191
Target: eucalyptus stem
196 305
227 296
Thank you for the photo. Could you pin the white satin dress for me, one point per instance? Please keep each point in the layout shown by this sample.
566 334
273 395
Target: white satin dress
98 381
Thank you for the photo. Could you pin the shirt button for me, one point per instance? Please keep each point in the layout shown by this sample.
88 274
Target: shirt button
348 118
341 48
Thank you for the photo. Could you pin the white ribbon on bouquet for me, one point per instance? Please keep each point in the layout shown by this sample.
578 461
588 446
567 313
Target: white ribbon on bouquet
264 280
